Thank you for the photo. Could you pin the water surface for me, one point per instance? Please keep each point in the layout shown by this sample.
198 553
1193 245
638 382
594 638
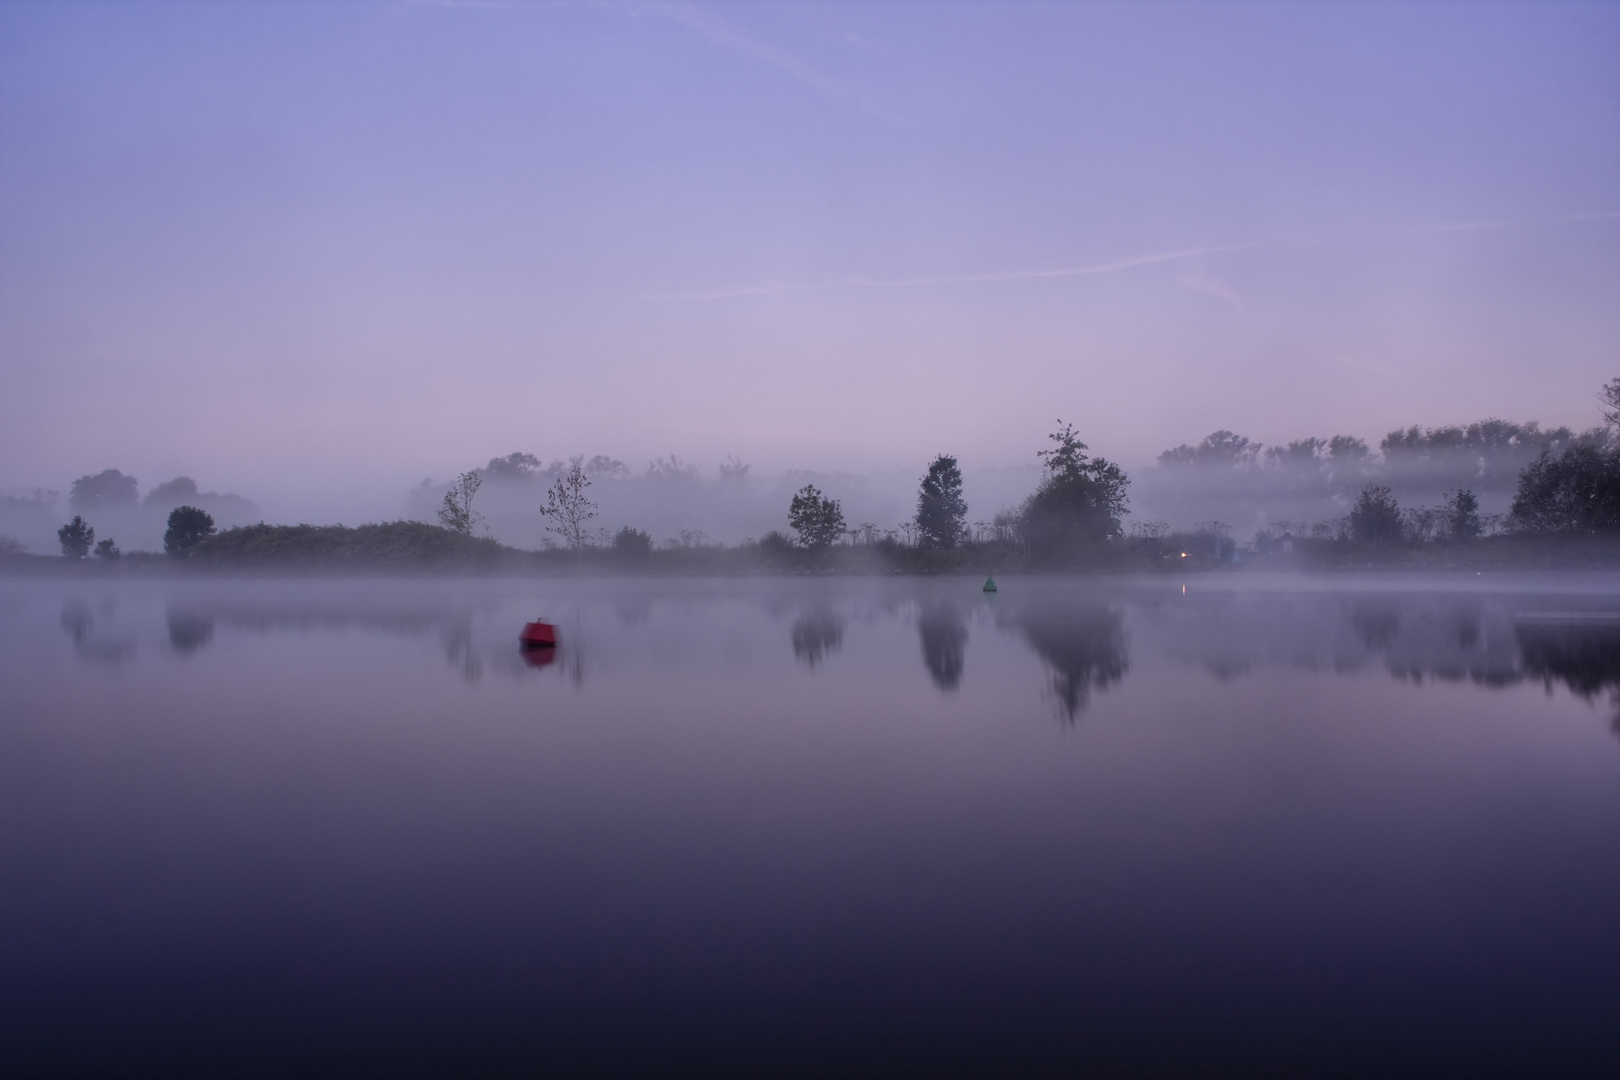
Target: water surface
1254 824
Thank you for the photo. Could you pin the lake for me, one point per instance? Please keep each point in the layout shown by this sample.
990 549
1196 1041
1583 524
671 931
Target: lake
1268 825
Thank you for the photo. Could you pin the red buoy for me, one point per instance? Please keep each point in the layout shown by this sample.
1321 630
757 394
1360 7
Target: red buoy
538 632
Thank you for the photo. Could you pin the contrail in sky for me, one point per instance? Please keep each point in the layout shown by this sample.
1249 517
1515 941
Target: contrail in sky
1129 263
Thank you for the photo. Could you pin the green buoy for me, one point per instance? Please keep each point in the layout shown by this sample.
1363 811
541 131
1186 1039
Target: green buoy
989 584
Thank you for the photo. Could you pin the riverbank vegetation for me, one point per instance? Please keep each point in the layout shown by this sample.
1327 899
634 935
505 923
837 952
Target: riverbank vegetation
1565 510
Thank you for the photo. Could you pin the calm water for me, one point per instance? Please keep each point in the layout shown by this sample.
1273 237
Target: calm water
1269 826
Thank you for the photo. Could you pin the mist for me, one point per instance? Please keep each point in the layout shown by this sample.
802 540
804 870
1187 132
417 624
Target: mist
317 253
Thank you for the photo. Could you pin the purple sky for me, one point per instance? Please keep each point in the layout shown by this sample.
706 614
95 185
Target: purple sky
302 251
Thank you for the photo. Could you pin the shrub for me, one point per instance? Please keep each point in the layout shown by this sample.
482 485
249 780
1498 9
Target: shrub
1571 492
632 543
1376 517
188 526
818 520
76 537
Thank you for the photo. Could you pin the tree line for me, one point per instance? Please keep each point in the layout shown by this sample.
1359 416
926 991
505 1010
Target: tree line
1571 487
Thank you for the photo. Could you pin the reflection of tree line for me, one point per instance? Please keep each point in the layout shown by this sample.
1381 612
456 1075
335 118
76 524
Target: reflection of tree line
1585 658
1083 645
191 627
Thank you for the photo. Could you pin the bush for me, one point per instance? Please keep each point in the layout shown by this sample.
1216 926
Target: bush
1376 517
76 537
1569 493
1462 515
632 543
818 520
188 526
397 545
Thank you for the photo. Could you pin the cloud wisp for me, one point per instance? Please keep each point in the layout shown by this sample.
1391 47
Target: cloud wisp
1113 266
724 35
1199 283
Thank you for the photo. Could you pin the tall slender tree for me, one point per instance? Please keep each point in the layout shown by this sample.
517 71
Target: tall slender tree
941 510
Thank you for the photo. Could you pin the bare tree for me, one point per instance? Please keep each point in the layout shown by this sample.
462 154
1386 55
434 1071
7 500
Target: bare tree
569 508
456 512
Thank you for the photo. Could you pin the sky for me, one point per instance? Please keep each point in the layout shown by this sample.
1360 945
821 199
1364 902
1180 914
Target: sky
318 252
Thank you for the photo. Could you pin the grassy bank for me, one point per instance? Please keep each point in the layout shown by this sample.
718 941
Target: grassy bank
408 547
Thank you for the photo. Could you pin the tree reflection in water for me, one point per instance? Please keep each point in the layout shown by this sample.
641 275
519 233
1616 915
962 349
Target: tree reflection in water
80 624
188 630
1584 656
817 633
944 636
1084 646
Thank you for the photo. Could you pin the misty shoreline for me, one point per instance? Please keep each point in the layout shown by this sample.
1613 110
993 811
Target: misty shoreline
426 551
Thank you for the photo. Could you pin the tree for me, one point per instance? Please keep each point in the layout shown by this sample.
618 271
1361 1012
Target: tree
514 466
941 510
1376 517
76 537
180 491
188 526
107 550
1347 448
1220 448
1574 491
818 520
568 508
632 543
1462 515
456 512
106 490
1609 402
1079 502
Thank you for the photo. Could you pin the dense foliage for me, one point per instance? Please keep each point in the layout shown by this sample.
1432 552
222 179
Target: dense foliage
1078 504
632 542
188 526
1376 518
397 545
1571 492
941 510
105 490
818 520
76 537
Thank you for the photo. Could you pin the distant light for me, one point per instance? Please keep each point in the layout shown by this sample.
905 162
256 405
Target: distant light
1183 554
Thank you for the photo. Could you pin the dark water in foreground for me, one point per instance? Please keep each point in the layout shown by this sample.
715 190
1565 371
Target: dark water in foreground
1269 827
